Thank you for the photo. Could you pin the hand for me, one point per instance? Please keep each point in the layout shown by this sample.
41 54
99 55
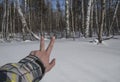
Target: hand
44 54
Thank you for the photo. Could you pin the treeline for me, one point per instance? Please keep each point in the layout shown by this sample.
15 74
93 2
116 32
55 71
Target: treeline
40 18
29 19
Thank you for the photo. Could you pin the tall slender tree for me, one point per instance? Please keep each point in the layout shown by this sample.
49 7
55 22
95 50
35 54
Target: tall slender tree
5 20
67 13
114 16
91 19
88 18
23 20
73 11
83 17
102 21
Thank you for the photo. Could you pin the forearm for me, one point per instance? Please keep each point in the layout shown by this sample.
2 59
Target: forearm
28 69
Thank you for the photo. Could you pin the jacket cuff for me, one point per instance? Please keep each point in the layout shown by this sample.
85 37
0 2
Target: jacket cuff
35 62
39 62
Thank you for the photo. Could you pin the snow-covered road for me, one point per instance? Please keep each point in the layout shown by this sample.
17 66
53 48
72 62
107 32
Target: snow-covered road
76 61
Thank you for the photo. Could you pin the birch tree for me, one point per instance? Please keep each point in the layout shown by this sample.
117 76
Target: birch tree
58 12
91 19
96 17
88 18
114 16
23 20
73 17
83 18
50 16
25 6
5 20
67 12
102 21
41 18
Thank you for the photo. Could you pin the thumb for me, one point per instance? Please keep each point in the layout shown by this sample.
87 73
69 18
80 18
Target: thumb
51 65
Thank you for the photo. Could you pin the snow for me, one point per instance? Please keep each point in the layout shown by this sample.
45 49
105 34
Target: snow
76 61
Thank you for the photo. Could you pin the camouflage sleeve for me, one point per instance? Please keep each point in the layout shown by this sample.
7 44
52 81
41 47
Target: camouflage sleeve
29 69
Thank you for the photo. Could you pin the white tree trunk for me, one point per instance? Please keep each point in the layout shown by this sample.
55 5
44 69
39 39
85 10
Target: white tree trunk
83 18
14 20
25 6
7 21
11 23
41 18
88 18
73 21
67 18
96 12
117 23
114 16
50 16
24 23
91 19
102 21
3 21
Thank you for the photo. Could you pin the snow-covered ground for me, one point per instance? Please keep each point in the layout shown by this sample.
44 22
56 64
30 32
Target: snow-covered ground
76 61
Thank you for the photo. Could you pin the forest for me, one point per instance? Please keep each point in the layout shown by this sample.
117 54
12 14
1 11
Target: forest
29 19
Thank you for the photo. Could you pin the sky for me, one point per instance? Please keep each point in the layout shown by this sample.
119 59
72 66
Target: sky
62 3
